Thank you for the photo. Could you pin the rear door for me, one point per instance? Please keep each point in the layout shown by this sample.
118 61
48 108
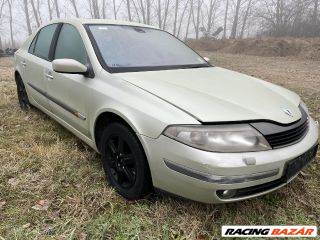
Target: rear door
36 64
70 93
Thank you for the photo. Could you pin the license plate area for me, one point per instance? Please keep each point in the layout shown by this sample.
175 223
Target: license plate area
297 164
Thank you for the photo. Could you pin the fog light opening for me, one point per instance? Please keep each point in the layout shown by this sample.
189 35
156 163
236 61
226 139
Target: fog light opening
226 194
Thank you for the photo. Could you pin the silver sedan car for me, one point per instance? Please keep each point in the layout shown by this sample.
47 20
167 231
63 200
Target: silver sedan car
161 115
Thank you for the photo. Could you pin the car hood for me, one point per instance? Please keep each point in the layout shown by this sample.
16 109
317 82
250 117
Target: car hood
215 94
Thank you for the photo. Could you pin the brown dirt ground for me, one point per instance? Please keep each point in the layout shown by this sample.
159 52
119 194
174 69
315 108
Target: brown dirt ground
52 186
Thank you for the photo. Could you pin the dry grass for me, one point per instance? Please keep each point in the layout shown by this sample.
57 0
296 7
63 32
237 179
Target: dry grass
304 48
52 186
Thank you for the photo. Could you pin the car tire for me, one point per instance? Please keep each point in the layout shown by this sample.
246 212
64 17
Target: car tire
22 94
124 162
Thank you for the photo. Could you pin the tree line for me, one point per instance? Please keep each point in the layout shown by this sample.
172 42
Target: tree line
183 18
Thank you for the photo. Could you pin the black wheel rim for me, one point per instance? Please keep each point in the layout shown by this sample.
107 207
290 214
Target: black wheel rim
120 159
22 95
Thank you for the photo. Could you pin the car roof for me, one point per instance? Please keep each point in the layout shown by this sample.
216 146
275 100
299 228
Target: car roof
80 21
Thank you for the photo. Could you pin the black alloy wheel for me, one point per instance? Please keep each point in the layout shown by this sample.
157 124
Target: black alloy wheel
22 94
124 162
121 161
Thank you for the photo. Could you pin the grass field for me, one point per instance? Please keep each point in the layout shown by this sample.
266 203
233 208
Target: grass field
52 185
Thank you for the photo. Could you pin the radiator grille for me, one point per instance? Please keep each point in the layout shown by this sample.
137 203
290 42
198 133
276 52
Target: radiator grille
288 137
279 135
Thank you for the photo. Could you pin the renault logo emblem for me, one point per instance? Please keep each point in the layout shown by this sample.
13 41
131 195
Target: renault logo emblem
288 112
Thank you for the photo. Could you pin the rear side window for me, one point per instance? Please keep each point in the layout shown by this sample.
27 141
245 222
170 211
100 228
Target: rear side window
43 42
70 45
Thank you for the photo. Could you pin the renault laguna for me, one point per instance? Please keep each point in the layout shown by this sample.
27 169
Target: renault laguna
162 116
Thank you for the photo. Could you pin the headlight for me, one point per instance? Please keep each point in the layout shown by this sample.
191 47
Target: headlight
220 138
304 107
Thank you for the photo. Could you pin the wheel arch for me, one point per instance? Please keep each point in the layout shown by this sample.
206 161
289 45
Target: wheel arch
106 117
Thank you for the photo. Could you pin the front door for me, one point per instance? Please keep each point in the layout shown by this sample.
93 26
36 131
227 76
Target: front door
69 93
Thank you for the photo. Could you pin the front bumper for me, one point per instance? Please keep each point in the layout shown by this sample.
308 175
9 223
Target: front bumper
164 154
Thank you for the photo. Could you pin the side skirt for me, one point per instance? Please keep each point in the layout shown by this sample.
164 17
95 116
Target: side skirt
68 127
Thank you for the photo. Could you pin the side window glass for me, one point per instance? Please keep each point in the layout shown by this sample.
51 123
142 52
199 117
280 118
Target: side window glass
32 45
44 40
70 45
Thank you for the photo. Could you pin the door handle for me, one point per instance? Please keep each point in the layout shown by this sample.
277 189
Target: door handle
49 76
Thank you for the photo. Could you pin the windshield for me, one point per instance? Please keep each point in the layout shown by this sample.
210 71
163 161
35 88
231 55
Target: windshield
131 48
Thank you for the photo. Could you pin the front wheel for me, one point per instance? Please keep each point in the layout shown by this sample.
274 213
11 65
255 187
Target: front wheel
124 162
22 94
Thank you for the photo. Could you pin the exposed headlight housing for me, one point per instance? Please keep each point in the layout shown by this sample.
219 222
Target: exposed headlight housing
219 138
304 107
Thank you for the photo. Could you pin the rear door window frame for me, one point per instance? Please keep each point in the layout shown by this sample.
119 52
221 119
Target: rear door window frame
53 40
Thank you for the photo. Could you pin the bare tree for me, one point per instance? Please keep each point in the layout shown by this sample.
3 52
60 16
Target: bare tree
176 8
38 6
35 13
197 23
95 8
56 4
210 15
114 9
148 11
49 9
189 19
143 11
26 12
275 17
166 13
1 8
9 2
182 17
103 9
136 9
315 12
129 10
74 5
279 13
245 18
225 20
90 8
296 18
235 20
159 12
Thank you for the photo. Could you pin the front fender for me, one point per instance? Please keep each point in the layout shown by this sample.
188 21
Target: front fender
147 114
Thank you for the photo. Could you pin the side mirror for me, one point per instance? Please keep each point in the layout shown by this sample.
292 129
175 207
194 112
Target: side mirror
69 66
207 59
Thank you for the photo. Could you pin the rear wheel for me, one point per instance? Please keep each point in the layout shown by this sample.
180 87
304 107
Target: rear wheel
22 94
124 162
